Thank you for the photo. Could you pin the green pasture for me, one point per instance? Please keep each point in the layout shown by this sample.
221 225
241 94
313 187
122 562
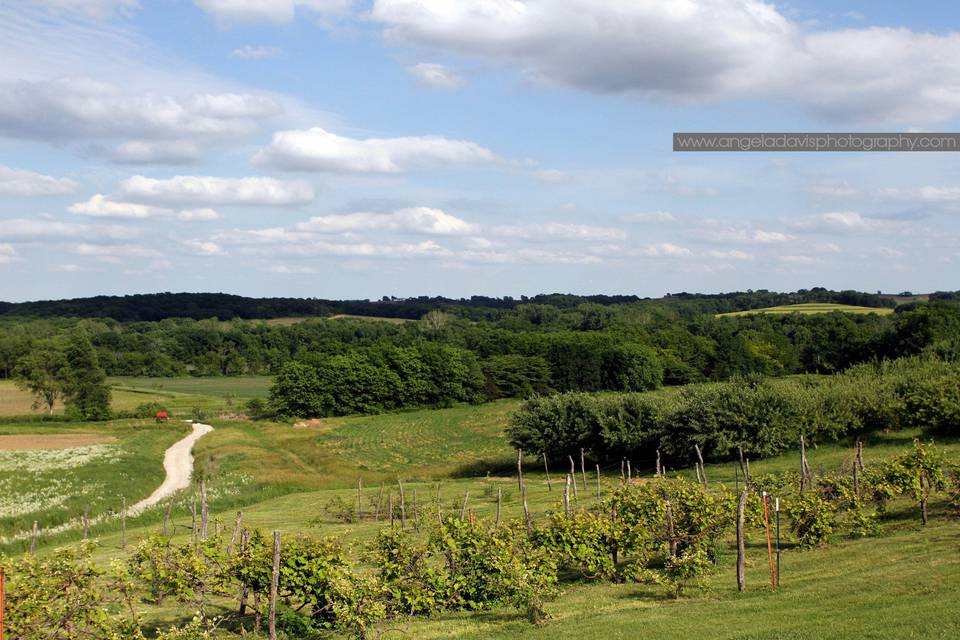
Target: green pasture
810 308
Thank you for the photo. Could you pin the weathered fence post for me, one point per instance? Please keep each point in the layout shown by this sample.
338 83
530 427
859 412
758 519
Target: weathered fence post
520 469
744 467
573 475
463 507
741 555
244 541
123 522
34 533
598 481
659 468
499 503
390 507
274 587
629 472
526 509
86 525
166 519
193 522
379 503
359 499
204 510
236 532
806 481
701 470
546 470
403 506
439 512
583 469
566 496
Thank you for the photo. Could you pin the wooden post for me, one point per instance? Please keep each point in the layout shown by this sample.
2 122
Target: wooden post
573 475
671 535
379 503
274 587
463 507
499 504
566 496
166 519
244 541
701 470
526 509
546 470
598 481
236 533
34 533
403 506
359 499
193 522
924 496
86 526
623 473
390 507
744 468
805 479
204 510
439 512
520 469
766 517
583 469
659 469
777 511
123 522
741 555
3 587
414 512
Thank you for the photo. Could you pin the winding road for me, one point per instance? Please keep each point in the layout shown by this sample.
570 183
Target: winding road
178 463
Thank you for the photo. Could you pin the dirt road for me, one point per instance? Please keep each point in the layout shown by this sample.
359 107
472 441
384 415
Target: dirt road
178 463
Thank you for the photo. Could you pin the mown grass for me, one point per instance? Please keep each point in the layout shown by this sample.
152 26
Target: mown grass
17 402
810 308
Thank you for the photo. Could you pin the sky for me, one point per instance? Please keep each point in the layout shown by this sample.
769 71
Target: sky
356 149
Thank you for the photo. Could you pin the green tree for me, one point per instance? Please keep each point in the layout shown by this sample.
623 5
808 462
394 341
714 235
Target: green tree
41 372
85 389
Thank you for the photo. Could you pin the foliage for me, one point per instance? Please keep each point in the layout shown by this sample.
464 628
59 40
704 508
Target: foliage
812 518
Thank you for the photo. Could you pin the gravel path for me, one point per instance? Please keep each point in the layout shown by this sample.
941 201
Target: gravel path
178 463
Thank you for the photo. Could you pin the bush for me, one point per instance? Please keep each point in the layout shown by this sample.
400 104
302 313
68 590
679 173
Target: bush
812 519
148 410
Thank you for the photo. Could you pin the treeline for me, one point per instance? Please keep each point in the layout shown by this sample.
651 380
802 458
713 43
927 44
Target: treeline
385 378
763 417
160 306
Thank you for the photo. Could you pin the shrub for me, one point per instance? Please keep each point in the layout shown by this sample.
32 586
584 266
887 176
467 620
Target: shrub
812 519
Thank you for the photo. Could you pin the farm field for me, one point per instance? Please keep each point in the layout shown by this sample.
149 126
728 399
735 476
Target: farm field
808 308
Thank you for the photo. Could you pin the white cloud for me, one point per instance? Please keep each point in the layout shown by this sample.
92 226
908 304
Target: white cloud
156 152
210 190
101 206
695 50
928 193
7 253
733 254
83 108
710 232
116 253
21 182
414 220
90 8
437 76
649 217
203 248
32 230
276 11
284 268
559 230
319 150
834 222
258 52
665 250
797 260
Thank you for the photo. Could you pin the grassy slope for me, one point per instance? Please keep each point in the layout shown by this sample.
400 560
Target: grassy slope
812 307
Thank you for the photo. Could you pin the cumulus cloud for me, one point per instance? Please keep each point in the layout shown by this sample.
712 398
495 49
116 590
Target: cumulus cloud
116 253
210 190
412 219
21 182
712 232
834 222
102 206
203 248
259 52
559 230
733 254
694 51
156 152
653 217
31 230
436 76
276 11
665 250
319 150
927 194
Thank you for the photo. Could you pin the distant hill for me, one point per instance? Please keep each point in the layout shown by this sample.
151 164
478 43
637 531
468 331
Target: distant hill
808 308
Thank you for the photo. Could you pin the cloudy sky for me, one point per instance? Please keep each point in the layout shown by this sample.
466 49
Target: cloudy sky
353 149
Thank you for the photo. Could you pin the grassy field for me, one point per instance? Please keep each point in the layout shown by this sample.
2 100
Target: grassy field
810 308
55 485
17 402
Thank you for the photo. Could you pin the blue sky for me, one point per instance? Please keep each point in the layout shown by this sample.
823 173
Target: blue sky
341 149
